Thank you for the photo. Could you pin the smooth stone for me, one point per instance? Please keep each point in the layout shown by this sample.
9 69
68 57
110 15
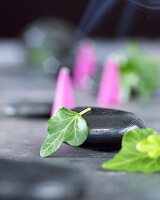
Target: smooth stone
40 181
107 127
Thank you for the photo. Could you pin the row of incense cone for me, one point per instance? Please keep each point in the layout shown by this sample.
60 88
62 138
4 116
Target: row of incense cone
85 66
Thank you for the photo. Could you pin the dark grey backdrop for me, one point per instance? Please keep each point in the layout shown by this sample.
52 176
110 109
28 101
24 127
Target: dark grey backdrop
16 14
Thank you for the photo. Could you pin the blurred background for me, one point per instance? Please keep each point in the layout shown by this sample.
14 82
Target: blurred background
39 37
15 16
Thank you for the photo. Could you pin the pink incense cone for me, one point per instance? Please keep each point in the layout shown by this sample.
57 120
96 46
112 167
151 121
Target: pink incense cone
85 65
109 89
64 91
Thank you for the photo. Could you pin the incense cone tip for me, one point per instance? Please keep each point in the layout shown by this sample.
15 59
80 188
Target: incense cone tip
65 70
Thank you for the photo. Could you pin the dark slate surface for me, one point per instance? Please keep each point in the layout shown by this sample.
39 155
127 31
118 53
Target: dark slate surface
20 139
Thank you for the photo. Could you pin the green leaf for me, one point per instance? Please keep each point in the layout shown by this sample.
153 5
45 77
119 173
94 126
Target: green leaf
151 146
136 155
65 126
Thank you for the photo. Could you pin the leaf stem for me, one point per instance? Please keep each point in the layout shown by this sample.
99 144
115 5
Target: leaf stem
85 111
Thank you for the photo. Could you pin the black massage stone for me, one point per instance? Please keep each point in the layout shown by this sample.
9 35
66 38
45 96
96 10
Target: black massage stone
107 127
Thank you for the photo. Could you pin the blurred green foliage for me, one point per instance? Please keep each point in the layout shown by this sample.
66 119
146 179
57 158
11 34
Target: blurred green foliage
139 72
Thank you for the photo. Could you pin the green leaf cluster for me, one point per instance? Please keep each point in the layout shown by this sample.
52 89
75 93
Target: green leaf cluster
140 153
65 126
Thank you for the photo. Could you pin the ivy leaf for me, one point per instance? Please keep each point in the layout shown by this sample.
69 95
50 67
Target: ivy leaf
139 153
65 126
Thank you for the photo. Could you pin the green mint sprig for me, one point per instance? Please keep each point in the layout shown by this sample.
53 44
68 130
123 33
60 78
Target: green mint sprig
65 126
